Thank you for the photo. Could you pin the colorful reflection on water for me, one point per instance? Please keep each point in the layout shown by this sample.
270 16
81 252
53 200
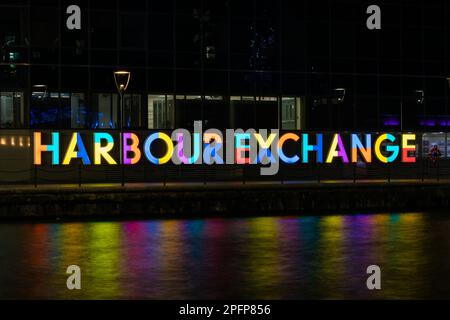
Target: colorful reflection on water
256 258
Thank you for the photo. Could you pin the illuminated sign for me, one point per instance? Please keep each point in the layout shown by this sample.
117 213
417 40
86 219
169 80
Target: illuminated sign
265 147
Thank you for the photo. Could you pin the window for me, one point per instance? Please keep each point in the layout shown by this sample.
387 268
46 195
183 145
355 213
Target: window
291 113
45 111
11 109
433 139
216 113
160 112
103 29
254 112
13 28
105 115
266 113
132 110
132 31
78 111
188 110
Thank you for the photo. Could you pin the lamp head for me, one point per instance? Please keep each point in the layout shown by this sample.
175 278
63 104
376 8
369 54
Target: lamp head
39 91
122 80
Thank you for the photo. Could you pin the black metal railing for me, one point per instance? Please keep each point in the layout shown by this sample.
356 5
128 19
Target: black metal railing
16 167
422 170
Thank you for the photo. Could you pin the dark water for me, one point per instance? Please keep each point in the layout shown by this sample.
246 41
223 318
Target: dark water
261 258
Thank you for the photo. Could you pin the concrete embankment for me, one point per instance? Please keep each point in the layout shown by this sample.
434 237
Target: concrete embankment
220 200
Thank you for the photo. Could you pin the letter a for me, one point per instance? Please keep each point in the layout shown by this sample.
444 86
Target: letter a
74 21
374 20
374 281
74 280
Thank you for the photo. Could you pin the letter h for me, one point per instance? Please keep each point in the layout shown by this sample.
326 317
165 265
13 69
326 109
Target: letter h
39 148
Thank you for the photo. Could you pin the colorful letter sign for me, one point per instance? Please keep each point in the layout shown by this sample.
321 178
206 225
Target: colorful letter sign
159 148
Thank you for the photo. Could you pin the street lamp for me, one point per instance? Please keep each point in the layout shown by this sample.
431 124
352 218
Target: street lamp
122 80
339 95
39 91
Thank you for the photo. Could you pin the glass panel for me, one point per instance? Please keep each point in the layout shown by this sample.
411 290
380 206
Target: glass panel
266 113
106 111
266 99
188 110
45 109
160 112
429 140
11 109
291 113
132 31
447 155
78 110
243 115
132 110
216 113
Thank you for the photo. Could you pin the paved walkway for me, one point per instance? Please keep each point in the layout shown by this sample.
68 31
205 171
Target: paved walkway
211 185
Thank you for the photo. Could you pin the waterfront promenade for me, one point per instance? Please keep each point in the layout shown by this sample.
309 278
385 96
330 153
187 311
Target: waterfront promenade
221 198
208 185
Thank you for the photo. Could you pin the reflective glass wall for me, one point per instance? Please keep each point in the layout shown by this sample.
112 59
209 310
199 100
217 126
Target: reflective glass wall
316 62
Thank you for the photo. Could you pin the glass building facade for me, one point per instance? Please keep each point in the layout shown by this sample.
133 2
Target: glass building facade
265 64
309 65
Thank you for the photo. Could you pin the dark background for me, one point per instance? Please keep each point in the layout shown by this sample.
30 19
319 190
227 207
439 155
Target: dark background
226 62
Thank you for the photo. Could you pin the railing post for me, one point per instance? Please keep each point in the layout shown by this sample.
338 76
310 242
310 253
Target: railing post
79 175
437 164
165 176
35 176
144 175
423 170
122 169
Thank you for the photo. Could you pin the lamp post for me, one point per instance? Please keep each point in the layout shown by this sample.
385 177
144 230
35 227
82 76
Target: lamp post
122 80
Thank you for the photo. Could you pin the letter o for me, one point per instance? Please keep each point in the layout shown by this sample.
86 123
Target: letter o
148 143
